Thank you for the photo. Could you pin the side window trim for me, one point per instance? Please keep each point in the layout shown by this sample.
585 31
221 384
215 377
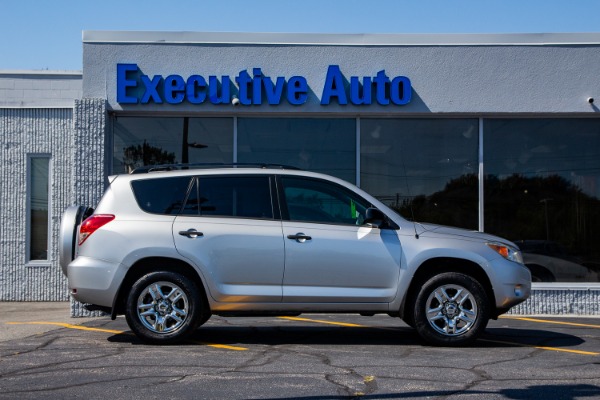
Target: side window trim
193 184
285 215
275 201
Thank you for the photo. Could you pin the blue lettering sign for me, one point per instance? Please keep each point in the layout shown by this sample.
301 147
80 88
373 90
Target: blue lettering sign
381 83
133 87
123 83
174 89
151 92
401 91
244 82
195 89
297 90
213 90
334 86
397 90
360 94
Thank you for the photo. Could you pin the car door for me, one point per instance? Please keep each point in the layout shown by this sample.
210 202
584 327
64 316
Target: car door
231 230
330 255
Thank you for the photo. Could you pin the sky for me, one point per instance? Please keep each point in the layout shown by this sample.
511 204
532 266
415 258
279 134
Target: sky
46 34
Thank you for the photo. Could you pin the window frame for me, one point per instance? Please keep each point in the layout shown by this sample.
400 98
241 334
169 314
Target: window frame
29 192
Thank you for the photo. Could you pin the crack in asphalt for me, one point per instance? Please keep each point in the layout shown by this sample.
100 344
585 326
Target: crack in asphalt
75 385
345 380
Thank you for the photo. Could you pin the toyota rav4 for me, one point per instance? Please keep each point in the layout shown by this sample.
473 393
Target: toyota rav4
171 246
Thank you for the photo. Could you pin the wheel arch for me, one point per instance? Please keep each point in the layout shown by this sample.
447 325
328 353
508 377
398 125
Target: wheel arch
155 264
438 265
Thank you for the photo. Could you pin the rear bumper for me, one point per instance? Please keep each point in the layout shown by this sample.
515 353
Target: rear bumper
94 281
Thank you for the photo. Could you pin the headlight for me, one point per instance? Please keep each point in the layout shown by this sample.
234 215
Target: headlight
507 252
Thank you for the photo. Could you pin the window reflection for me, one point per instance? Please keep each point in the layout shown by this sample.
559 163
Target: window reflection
542 190
38 211
322 145
425 167
141 141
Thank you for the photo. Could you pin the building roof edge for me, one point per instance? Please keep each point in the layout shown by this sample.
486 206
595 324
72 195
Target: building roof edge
31 72
334 39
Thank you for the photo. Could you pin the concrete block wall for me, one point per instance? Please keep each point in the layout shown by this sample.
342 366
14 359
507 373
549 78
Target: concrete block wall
74 138
88 170
24 132
560 301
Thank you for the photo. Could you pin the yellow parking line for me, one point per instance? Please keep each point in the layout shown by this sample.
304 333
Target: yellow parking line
587 353
220 346
552 322
82 328
87 328
484 340
324 322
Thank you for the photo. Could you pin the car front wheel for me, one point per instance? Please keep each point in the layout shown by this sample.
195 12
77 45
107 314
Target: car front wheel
164 307
451 309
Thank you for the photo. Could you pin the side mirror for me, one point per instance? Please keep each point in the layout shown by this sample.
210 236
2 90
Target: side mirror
374 217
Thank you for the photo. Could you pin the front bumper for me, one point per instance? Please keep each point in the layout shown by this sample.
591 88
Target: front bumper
511 282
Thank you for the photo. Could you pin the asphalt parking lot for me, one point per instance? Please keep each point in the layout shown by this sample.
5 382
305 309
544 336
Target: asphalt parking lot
308 357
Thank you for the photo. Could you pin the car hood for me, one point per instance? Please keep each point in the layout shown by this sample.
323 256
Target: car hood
431 230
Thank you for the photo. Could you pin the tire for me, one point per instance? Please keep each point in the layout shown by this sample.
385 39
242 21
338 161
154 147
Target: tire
164 307
451 309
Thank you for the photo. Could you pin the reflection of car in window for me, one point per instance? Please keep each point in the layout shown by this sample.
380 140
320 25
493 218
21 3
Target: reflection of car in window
550 262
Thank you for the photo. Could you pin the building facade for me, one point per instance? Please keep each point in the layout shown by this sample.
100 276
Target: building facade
499 133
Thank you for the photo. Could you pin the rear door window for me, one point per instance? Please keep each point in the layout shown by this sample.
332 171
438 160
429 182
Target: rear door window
230 196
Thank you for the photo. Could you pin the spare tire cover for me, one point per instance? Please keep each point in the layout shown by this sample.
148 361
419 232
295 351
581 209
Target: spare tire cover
72 217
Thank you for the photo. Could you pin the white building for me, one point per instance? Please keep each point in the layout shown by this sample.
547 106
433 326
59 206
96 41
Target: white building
492 132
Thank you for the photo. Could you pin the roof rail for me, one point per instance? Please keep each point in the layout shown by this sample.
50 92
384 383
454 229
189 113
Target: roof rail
171 167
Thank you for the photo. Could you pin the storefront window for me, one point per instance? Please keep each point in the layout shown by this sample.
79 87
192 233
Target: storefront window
151 141
423 167
39 169
318 144
542 190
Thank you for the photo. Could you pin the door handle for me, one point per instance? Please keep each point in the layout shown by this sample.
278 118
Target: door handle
191 233
299 237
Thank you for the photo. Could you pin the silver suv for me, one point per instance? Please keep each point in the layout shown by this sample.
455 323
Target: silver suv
169 247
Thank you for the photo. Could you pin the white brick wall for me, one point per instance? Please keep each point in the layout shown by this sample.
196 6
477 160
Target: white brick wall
23 132
67 134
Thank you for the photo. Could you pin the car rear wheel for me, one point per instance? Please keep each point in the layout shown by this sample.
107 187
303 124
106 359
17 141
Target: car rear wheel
451 309
164 307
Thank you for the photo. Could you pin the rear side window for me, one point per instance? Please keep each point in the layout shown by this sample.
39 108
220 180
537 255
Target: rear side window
161 195
230 196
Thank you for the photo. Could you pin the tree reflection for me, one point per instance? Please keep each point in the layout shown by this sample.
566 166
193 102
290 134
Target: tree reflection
541 212
143 154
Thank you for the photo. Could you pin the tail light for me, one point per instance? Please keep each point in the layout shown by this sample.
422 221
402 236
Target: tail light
91 224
